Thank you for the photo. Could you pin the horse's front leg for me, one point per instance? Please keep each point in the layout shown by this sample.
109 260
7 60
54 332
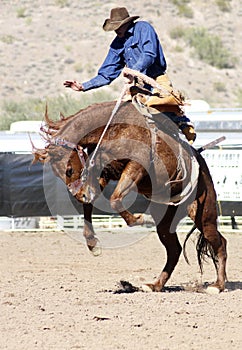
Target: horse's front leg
88 231
130 177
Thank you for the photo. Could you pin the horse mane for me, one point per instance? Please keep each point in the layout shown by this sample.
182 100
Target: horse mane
85 128
52 126
93 117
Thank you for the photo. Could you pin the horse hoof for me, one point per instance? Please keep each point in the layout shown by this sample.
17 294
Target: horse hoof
147 288
148 220
96 249
212 290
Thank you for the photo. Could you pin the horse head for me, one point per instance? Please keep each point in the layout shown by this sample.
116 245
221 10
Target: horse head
66 158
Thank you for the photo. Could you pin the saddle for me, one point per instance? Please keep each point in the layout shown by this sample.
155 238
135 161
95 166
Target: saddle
168 100
157 121
153 104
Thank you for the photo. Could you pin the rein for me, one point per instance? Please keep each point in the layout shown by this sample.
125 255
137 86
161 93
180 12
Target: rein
79 149
134 74
116 107
76 185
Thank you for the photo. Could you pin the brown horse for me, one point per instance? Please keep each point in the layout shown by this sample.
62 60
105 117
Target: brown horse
154 162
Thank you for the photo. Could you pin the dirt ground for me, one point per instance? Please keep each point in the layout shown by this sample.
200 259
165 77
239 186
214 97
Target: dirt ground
55 295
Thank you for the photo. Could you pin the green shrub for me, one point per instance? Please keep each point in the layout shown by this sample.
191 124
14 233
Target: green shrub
209 48
224 5
183 8
177 33
34 109
21 12
219 86
12 111
62 3
7 39
78 67
68 48
28 20
178 48
239 97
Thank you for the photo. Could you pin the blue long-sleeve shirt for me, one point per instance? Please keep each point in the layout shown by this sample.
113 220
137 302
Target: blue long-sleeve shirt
140 49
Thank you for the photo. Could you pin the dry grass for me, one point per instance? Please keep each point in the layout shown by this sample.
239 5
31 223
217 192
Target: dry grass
43 44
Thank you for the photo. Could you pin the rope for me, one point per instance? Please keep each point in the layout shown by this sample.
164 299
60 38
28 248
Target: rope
147 80
116 107
150 81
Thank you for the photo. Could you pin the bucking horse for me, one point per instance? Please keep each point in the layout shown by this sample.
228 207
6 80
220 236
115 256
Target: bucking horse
144 155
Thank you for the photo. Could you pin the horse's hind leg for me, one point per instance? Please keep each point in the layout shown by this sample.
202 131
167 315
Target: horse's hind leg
205 219
169 239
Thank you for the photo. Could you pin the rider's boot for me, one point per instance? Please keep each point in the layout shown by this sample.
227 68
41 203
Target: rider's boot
190 133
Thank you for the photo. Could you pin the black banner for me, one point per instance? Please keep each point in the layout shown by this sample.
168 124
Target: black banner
28 189
31 189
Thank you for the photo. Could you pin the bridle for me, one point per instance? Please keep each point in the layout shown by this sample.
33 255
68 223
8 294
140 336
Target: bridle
79 149
72 146
82 154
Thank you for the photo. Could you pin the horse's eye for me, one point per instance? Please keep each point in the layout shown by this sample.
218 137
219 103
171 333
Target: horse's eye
69 172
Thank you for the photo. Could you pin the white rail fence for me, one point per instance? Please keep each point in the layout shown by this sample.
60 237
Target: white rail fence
62 223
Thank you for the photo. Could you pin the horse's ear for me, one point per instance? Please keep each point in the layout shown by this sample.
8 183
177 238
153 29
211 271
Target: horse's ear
47 120
50 123
46 110
62 117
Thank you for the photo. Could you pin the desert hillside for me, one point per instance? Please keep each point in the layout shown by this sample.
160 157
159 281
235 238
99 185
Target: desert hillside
43 43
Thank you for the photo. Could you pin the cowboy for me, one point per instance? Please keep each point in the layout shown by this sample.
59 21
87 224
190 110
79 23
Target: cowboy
135 46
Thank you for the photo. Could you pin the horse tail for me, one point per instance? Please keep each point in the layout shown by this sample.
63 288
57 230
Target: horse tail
185 242
203 247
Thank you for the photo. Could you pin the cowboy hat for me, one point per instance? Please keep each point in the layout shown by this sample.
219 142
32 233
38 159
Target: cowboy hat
118 17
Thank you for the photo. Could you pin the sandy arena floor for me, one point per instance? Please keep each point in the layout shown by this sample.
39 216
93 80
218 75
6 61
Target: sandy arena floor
55 295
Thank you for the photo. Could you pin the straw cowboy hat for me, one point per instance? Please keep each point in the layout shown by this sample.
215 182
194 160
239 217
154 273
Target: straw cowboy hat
118 17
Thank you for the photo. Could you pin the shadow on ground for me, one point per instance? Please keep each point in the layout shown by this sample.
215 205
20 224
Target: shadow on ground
127 287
